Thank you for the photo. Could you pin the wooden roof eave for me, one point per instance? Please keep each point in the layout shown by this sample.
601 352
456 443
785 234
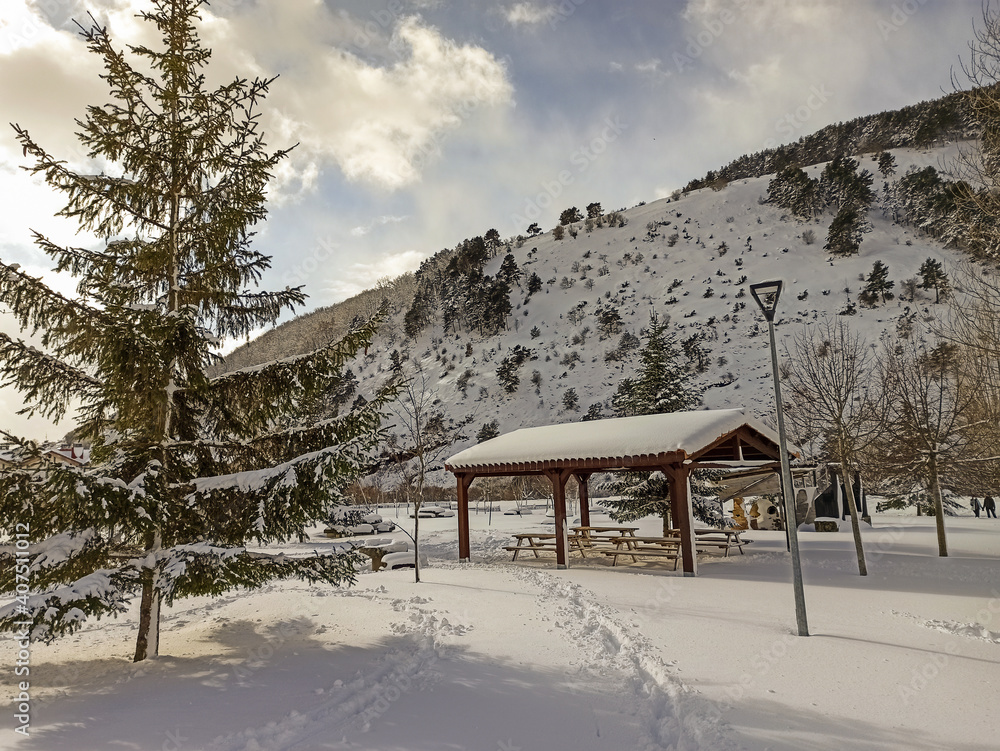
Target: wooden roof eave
646 462
742 436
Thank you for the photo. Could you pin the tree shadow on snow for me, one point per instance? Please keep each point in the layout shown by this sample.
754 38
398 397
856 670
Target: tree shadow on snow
282 687
773 725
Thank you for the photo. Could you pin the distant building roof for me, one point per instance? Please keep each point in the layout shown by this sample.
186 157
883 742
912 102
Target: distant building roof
69 453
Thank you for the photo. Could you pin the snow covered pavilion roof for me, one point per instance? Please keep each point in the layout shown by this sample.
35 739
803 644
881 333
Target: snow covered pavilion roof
719 437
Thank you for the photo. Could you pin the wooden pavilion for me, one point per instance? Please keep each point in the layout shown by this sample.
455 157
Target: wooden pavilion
674 444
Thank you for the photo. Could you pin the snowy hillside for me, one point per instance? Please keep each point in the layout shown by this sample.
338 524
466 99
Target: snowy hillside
691 259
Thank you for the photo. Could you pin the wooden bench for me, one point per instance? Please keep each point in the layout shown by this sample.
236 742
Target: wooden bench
534 548
538 542
644 551
645 547
724 539
595 539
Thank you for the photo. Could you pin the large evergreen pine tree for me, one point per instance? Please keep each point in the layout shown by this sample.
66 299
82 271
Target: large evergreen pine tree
663 380
662 384
188 468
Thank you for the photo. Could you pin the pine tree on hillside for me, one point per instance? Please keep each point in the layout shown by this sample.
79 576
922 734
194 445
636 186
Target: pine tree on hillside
662 384
931 203
570 215
663 381
534 283
187 468
509 273
886 164
794 190
877 285
845 233
933 276
841 185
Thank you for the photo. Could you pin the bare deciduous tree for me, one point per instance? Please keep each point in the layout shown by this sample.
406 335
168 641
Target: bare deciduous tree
834 401
423 435
973 324
931 399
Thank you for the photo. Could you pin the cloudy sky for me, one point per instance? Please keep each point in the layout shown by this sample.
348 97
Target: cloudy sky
423 122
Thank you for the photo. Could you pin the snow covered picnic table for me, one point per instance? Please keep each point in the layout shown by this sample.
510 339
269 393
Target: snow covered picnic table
542 542
645 547
669 545
726 539
615 542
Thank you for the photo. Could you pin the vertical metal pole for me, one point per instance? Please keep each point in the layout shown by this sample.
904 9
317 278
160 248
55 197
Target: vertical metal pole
791 523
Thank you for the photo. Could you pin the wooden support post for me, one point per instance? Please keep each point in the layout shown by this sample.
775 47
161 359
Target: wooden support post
558 480
581 481
683 514
464 481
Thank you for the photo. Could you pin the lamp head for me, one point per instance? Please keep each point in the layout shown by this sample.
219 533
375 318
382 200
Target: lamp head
766 294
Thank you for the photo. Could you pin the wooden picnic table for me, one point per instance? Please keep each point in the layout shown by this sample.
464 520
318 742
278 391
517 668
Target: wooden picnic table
538 542
636 547
588 531
726 539
590 537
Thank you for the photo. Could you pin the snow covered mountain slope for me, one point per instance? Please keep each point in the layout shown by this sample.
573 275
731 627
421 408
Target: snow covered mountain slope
690 258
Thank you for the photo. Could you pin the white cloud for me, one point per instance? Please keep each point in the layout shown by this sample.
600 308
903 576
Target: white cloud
530 14
652 69
760 15
381 221
362 275
377 121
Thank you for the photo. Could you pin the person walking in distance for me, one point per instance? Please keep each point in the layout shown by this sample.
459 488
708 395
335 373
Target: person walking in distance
976 506
991 507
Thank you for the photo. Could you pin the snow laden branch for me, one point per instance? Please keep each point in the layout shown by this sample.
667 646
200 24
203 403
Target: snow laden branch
184 570
38 308
48 384
262 393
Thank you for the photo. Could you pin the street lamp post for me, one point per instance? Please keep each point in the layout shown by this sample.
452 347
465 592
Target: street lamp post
766 294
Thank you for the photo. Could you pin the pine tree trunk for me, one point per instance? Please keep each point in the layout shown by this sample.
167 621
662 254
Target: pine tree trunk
147 643
938 505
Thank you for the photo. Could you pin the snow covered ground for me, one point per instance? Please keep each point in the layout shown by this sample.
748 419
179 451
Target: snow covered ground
498 656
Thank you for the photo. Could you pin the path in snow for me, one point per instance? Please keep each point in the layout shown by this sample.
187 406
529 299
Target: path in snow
599 648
